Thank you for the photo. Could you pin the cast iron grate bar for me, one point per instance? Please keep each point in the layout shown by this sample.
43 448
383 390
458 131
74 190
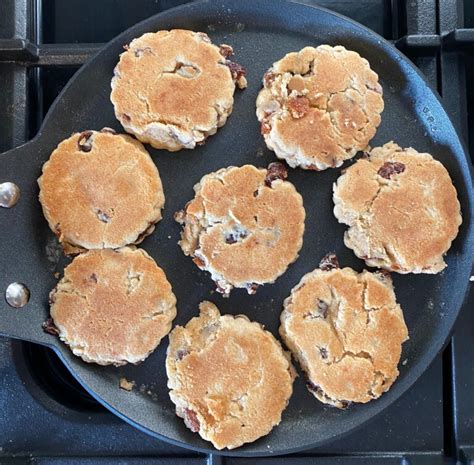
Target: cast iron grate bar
460 39
25 53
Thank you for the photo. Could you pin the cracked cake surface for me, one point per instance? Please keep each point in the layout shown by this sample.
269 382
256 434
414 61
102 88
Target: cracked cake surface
319 106
401 207
245 226
346 330
229 378
113 306
100 190
173 89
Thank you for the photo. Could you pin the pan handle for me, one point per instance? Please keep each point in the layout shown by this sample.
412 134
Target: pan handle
25 324
21 245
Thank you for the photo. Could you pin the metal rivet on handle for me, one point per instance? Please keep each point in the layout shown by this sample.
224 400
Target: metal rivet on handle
17 295
9 194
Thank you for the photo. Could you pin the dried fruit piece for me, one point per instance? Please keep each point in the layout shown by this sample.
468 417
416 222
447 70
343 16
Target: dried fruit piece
238 73
252 288
191 420
323 308
312 387
390 168
298 106
275 170
236 235
180 215
329 262
226 50
181 354
84 142
321 311
49 327
383 274
102 216
268 78
221 290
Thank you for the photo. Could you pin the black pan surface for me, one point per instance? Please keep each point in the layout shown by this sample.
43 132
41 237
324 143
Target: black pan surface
260 32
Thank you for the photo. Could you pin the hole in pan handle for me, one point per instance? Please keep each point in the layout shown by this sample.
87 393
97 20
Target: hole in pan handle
22 237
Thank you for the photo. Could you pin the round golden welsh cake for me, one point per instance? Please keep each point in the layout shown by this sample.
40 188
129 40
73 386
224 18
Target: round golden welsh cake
346 330
113 306
401 208
173 89
319 106
229 378
245 226
100 190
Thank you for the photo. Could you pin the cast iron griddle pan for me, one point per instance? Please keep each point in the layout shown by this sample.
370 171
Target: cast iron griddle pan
261 33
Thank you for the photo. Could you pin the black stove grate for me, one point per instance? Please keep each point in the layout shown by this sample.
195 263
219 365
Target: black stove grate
45 417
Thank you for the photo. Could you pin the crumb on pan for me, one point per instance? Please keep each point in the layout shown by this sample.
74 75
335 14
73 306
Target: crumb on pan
126 385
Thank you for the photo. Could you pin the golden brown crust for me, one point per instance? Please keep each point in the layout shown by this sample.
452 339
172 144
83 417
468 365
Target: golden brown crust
242 227
106 194
402 209
319 106
113 306
173 89
346 331
229 378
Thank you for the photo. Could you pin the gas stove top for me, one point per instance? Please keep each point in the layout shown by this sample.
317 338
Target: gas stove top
46 417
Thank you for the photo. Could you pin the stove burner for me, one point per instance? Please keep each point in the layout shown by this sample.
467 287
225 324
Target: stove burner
56 381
